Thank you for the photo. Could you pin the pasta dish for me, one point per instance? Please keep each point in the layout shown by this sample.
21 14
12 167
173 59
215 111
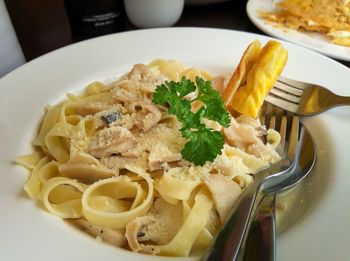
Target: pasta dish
108 161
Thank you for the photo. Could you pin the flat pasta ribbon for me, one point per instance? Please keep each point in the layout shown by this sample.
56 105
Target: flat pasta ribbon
118 188
62 197
195 222
175 188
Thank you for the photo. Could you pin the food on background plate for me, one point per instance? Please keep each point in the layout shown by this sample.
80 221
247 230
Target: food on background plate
152 162
328 17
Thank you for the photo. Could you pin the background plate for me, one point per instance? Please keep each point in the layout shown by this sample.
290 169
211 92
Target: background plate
312 41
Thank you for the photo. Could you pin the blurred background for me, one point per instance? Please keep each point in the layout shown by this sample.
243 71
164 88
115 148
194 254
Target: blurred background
42 26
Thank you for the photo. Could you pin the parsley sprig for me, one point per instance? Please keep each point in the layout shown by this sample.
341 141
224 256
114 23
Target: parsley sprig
204 143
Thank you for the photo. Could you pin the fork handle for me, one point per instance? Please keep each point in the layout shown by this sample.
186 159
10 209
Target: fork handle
261 240
326 102
227 244
342 100
332 101
229 240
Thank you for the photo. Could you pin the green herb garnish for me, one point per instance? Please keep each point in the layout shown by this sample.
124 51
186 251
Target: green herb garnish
204 143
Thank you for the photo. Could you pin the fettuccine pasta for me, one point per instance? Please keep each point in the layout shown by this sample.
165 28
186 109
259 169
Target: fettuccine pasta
108 160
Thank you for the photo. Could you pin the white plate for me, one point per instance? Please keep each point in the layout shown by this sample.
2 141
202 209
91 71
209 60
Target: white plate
313 41
30 233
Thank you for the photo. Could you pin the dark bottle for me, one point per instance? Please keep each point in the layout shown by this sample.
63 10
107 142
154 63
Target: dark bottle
95 17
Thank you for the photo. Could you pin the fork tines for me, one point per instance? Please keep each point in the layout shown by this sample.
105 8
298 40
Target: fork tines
285 123
294 130
286 92
293 83
286 95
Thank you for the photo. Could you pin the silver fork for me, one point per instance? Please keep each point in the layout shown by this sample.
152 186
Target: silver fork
304 98
227 243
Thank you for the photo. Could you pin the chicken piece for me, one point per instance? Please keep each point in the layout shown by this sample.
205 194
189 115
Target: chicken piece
264 152
123 93
218 84
146 115
241 135
161 154
112 236
158 226
145 79
163 144
138 85
245 119
112 140
133 232
230 165
245 134
224 192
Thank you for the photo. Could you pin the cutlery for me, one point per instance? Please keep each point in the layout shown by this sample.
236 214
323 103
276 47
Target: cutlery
303 98
261 239
260 242
227 243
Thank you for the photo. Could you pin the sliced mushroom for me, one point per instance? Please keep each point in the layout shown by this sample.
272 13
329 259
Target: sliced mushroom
158 226
133 233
